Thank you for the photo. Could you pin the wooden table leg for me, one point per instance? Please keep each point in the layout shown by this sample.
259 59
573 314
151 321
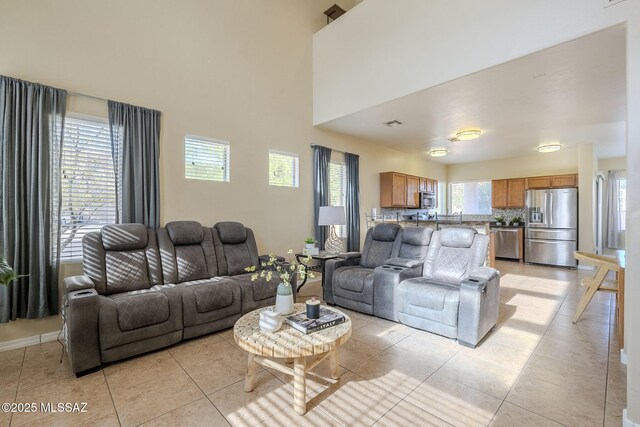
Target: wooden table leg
299 386
251 373
334 362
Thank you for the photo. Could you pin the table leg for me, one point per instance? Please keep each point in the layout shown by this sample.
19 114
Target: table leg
251 373
306 273
299 386
334 363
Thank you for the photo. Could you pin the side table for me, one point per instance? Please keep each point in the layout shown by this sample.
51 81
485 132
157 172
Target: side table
322 258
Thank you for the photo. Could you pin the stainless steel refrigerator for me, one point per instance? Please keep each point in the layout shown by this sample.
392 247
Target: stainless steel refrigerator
551 234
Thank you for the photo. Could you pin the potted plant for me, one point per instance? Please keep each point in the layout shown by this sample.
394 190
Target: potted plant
516 220
7 275
284 272
499 220
309 243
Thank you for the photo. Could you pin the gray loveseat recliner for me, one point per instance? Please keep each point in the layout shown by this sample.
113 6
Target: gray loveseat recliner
455 296
146 289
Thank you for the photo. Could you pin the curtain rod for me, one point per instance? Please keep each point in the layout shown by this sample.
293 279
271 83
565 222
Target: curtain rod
70 92
332 149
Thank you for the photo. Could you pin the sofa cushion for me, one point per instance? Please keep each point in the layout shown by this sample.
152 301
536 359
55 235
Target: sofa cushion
451 265
429 300
352 279
211 297
231 232
418 236
185 232
457 237
191 263
238 258
385 232
124 237
140 310
377 254
126 271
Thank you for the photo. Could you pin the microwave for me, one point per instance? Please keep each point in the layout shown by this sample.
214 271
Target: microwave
427 200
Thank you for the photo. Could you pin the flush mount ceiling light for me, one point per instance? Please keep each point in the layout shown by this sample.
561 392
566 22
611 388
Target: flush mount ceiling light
438 152
548 148
466 135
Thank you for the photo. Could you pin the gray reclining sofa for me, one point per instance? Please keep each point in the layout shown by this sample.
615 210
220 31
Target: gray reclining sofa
146 289
432 280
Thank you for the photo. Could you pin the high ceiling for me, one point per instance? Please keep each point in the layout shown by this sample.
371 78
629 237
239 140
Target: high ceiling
572 93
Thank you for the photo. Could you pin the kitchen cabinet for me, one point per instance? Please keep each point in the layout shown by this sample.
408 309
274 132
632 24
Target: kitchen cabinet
413 185
432 186
507 193
393 190
423 184
552 181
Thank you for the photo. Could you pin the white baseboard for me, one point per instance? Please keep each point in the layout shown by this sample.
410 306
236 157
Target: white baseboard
626 422
25 342
623 356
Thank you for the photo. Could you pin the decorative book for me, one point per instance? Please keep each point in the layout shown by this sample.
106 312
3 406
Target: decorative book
302 323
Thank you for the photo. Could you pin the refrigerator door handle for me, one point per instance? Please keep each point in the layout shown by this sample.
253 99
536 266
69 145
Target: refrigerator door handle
550 209
545 213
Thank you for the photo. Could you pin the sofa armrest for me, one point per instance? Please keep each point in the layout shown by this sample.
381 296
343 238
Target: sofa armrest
404 262
81 329
330 267
78 283
349 255
479 305
386 280
266 258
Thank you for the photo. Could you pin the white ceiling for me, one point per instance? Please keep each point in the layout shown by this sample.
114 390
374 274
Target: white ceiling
572 93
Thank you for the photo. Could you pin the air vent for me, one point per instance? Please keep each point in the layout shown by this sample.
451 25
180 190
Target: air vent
392 123
608 3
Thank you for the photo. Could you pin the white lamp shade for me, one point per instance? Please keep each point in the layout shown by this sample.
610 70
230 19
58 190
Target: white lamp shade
331 215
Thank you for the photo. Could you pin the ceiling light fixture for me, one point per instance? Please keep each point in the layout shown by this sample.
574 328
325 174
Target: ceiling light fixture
549 148
438 152
466 135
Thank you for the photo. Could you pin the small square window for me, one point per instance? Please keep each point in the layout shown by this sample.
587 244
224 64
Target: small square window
206 158
284 169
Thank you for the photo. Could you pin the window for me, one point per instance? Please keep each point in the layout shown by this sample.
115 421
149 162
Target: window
206 159
622 200
471 197
88 183
284 169
338 191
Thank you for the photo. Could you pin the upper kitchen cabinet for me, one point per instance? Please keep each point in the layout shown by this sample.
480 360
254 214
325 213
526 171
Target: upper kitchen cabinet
432 186
413 188
393 190
507 193
553 181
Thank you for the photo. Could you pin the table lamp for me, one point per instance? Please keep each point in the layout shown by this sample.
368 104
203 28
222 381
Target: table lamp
332 215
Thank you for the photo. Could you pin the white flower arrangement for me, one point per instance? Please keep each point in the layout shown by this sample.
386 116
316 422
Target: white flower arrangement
284 272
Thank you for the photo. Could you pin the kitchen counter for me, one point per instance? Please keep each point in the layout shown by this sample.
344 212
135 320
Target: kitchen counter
506 226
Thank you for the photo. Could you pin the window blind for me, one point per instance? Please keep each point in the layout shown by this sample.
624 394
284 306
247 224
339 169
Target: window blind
206 159
284 169
338 191
88 193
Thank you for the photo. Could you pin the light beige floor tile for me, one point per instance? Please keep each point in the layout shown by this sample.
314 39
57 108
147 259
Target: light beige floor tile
212 364
356 402
10 368
381 337
558 403
195 414
404 414
510 358
145 401
454 402
613 415
5 417
617 382
314 417
90 389
510 415
354 351
489 377
42 365
240 408
141 369
318 380
433 347
580 353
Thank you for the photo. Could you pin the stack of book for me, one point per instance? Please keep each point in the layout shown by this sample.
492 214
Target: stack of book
327 319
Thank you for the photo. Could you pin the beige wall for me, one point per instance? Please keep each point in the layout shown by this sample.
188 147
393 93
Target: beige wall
613 163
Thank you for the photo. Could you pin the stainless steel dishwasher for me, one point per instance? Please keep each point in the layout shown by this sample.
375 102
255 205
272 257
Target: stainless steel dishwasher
507 245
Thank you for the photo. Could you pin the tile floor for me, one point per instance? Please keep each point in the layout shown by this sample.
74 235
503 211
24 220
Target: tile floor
536 368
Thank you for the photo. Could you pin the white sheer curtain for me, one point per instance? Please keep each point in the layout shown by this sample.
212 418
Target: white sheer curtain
612 212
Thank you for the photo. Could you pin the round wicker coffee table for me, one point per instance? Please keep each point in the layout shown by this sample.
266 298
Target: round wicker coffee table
306 350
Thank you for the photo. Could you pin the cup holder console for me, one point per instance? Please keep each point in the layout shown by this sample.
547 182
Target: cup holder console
84 294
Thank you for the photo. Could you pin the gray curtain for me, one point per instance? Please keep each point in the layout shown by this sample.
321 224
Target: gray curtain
353 201
135 144
612 212
31 123
321 157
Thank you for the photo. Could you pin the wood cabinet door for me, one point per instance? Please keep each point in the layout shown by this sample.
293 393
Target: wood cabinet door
499 193
515 193
560 181
423 184
539 182
413 185
432 185
399 190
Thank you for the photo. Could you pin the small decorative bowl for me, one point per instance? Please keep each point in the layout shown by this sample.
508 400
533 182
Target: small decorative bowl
270 320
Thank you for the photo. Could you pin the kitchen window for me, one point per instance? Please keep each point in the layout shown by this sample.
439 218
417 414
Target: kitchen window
470 197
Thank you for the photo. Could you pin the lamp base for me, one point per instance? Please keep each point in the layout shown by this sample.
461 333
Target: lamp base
333 244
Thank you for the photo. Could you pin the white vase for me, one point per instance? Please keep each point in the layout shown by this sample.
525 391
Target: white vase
309 246
284 299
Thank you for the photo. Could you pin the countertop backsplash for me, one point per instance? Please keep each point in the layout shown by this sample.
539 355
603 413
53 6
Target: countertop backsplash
506 213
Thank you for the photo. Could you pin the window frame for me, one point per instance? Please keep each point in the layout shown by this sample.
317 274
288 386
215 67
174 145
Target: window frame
203 140
296 168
